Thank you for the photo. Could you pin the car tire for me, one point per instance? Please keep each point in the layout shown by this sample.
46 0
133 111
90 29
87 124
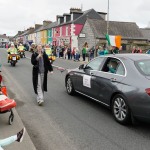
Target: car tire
121 110
69 86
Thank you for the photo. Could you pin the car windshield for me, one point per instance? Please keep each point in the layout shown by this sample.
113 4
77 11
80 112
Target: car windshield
144 67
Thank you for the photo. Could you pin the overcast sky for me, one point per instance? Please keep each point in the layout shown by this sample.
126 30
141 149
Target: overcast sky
18 15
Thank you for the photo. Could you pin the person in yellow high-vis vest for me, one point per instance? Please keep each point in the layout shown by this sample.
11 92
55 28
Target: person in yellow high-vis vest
21 48
49 53
11 50
48 50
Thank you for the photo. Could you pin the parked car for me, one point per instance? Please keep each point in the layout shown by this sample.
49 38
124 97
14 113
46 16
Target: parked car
121 82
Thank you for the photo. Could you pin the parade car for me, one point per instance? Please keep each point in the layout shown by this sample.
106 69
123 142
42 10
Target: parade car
121 82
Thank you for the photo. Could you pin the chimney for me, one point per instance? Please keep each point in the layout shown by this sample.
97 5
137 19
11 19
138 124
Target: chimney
31 28
46 22
60 19
37 26
75 10
75 13
19 32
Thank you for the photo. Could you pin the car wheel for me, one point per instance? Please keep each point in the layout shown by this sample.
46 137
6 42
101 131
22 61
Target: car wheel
120 110
69 86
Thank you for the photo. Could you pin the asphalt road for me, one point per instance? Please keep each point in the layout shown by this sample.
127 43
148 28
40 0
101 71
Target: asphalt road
67 122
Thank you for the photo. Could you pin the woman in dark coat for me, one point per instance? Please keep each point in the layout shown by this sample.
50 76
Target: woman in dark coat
41 66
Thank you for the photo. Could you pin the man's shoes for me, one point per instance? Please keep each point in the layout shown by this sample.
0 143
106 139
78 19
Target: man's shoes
40 102
20 135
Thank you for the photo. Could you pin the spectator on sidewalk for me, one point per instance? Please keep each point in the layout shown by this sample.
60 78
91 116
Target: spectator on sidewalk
100 51
65 52
69 52
58 51
115 50
84 50
16 138
96 51
62 51
91 53
106 51
139 50
77 55
73 53
54 50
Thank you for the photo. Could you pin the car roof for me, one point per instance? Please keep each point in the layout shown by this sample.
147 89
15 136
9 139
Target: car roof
131 56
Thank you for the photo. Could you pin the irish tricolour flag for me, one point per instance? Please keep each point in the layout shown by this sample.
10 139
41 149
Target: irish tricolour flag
114 40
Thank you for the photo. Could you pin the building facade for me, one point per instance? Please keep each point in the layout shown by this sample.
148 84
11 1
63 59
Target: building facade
3 40
70 26
94 32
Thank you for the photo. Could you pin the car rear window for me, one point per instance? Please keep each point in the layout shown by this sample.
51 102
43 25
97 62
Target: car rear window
143 66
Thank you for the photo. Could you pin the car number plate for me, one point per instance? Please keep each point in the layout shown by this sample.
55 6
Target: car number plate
14 58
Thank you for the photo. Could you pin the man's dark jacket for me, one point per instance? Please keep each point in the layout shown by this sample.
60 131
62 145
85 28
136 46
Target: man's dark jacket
47 67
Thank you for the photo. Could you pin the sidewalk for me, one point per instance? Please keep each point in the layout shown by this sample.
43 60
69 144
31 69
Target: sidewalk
9 130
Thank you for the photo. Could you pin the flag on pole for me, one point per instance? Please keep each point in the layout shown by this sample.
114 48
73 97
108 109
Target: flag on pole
114 40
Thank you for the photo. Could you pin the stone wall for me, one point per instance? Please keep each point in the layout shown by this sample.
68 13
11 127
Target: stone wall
89 37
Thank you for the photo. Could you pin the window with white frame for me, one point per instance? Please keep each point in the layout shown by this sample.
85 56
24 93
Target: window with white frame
65 19
60 31
52 32
58 20
67 31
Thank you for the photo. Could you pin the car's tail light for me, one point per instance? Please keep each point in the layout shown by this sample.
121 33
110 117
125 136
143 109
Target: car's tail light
148 91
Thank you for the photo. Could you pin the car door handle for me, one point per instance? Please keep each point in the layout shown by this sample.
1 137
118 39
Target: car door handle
113 80
91 73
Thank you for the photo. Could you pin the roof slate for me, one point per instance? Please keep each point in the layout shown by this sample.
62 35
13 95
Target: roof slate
51 25
146 33
33 31
3 36
91 13
128 30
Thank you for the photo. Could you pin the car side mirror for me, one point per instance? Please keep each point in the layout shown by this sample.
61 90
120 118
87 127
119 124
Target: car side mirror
82 66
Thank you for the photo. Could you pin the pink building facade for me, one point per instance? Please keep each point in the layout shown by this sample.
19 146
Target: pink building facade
66 34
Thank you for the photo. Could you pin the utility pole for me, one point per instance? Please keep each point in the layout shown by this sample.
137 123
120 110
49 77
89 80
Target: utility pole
81 7
107 24
108 18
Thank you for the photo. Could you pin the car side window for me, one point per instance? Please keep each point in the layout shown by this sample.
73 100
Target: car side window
114 66
95 64
120 69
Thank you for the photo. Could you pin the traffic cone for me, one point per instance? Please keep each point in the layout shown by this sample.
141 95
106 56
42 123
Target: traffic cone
4 90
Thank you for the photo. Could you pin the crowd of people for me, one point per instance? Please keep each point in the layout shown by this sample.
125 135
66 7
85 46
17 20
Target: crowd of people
67 52
75 54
